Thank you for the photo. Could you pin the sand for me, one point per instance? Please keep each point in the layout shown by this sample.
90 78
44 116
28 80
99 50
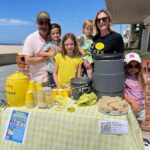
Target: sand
7 49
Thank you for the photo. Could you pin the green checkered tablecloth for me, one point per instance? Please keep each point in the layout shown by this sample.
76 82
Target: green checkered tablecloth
49 129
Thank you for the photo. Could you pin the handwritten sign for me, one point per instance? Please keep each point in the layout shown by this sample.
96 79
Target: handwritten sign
113 127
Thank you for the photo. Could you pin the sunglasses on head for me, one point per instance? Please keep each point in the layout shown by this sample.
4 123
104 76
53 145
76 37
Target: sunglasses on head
41 23
137 66
104 19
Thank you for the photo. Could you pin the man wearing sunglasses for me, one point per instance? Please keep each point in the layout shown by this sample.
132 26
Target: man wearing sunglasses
108 40
33 44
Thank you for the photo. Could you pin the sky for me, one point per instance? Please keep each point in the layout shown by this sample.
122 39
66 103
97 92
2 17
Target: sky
18 17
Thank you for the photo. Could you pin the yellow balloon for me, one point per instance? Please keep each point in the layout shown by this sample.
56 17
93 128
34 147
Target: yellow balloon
99 46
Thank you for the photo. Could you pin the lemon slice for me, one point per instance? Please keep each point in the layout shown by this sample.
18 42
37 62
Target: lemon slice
70 109
99 46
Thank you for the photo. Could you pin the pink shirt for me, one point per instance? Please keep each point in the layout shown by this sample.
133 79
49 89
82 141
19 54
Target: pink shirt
33 44
133 89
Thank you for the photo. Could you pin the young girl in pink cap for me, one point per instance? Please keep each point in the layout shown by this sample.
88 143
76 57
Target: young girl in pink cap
134 85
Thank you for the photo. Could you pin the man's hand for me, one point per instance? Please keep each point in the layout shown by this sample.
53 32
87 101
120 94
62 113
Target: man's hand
34 59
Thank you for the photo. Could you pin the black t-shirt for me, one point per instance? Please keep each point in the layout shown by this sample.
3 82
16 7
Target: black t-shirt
111 43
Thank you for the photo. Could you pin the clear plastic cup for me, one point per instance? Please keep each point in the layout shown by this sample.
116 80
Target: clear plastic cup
42 96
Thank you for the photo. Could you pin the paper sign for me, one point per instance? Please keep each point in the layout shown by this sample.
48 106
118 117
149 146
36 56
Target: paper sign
113 127
17 126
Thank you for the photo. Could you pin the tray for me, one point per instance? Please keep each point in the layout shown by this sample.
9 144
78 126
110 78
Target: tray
112 114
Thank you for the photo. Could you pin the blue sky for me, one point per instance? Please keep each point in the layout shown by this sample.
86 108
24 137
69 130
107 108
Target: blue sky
18 17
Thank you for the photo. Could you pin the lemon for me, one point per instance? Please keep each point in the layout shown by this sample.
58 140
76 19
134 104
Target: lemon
70 109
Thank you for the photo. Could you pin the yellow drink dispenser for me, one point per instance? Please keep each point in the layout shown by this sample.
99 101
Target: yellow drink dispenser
16 88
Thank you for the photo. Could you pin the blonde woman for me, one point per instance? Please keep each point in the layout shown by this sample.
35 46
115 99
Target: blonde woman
109 41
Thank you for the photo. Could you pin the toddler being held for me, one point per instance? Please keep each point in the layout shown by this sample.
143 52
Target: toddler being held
85 42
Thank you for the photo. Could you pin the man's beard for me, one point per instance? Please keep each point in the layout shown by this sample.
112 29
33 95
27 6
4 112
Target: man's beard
43 32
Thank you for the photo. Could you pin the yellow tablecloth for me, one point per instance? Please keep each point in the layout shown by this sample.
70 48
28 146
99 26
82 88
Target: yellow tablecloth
49 129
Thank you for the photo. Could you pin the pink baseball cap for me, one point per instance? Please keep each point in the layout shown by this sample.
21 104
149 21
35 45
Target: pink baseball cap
132 56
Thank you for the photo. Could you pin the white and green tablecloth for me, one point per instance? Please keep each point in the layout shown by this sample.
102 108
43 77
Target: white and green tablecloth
49 129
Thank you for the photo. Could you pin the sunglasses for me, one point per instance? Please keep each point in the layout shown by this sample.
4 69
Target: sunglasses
137 66
41 23
104 19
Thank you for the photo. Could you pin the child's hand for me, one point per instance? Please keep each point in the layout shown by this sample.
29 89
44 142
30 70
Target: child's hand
82 52
136 107
58 87
51 52
59 49
87 65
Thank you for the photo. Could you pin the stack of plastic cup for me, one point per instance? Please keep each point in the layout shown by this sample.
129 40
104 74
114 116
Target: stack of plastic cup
32 88
54 92
38 86
65 93
29 101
